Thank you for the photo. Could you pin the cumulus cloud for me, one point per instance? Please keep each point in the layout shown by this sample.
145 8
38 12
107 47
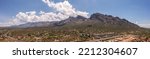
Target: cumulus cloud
63 10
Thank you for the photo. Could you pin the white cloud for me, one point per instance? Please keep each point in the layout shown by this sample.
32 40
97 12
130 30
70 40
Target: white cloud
144 25
63 10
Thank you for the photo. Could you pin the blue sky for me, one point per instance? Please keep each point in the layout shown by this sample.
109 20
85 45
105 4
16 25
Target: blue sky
136 11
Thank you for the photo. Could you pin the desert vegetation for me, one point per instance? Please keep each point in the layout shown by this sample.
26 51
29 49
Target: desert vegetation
73 35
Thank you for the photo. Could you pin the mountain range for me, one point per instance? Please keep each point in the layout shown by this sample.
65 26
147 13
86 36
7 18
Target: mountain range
95 20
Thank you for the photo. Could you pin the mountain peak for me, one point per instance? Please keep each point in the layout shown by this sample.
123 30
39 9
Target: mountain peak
111 20
80 17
